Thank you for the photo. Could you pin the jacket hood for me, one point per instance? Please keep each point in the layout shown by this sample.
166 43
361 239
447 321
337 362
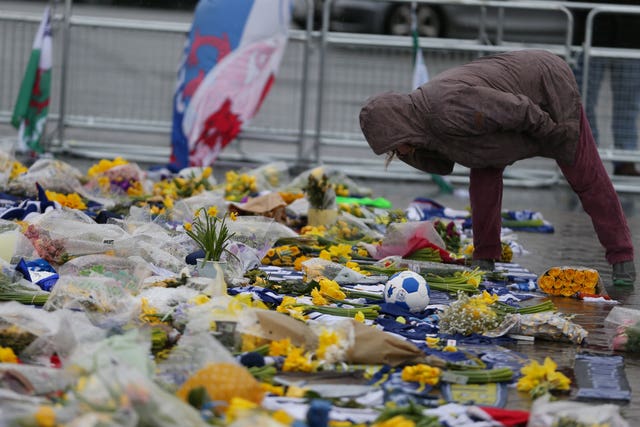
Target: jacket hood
388 120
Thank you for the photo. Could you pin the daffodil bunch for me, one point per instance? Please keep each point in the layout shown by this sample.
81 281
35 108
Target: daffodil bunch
239 186
470 314
210 232
320 192
421 373
539 379
297 359
17 169
285 255
182 187
71 200
568 281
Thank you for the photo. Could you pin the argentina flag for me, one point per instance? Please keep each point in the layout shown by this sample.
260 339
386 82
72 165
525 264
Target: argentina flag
232 54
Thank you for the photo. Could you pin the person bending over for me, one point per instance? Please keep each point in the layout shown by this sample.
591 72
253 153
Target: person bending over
488 114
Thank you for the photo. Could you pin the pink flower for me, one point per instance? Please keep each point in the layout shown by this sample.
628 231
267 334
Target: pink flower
619 342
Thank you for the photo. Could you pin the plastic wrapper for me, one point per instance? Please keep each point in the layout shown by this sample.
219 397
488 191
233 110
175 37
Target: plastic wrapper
271 176
334 176
193 351
6 164
184 209
20 325
72 329
129 272
547 413
105 301
571 280
353 229
166 300
131 349
32 379
53 175
127 394
78 233
404 238
623 324
317 268
551 326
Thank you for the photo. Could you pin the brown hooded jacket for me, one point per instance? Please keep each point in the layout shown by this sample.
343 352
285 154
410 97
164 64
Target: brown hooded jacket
490 112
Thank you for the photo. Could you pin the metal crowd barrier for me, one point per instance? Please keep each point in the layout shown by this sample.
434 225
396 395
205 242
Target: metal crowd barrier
113 82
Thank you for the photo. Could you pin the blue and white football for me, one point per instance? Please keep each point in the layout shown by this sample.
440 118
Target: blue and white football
407 289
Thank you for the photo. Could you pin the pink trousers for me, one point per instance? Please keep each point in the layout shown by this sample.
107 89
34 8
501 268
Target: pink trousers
587 177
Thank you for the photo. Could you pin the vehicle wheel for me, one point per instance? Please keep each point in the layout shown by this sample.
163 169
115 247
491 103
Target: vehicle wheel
428 19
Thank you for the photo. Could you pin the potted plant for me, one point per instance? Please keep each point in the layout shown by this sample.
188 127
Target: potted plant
212 235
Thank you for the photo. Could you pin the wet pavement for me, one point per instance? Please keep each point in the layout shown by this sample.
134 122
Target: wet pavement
572 244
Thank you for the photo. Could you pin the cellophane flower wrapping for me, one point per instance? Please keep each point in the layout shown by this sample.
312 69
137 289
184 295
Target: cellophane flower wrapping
69 330
21 325
53 175
551 326
130 272
155 246
106 302
570 280
252 239
623 324
403 238
116 377
271 176
546 412
194 350
318 268
79 233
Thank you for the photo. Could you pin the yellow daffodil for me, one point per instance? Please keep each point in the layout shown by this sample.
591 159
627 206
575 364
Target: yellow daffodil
17 169
280 347
421 373
331 289
282 417
326 339
397 421
432 341
277 390
295 391
539 379
212 211
359 317
7 355
45 416
199 299
317 298
239 407
187 226
341 251
297 361
104 165
233 216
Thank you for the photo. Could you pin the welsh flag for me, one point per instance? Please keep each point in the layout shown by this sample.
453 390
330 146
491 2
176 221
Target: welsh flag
32 105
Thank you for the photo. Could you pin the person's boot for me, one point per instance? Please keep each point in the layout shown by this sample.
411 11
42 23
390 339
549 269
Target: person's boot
484 264
624 273
626 169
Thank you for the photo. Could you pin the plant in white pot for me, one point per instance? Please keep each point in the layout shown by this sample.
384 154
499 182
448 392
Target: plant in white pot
212 235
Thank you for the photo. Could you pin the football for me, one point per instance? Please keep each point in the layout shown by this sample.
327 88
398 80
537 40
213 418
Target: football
408 290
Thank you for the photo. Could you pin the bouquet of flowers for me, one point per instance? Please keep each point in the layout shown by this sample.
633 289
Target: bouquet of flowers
568 281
